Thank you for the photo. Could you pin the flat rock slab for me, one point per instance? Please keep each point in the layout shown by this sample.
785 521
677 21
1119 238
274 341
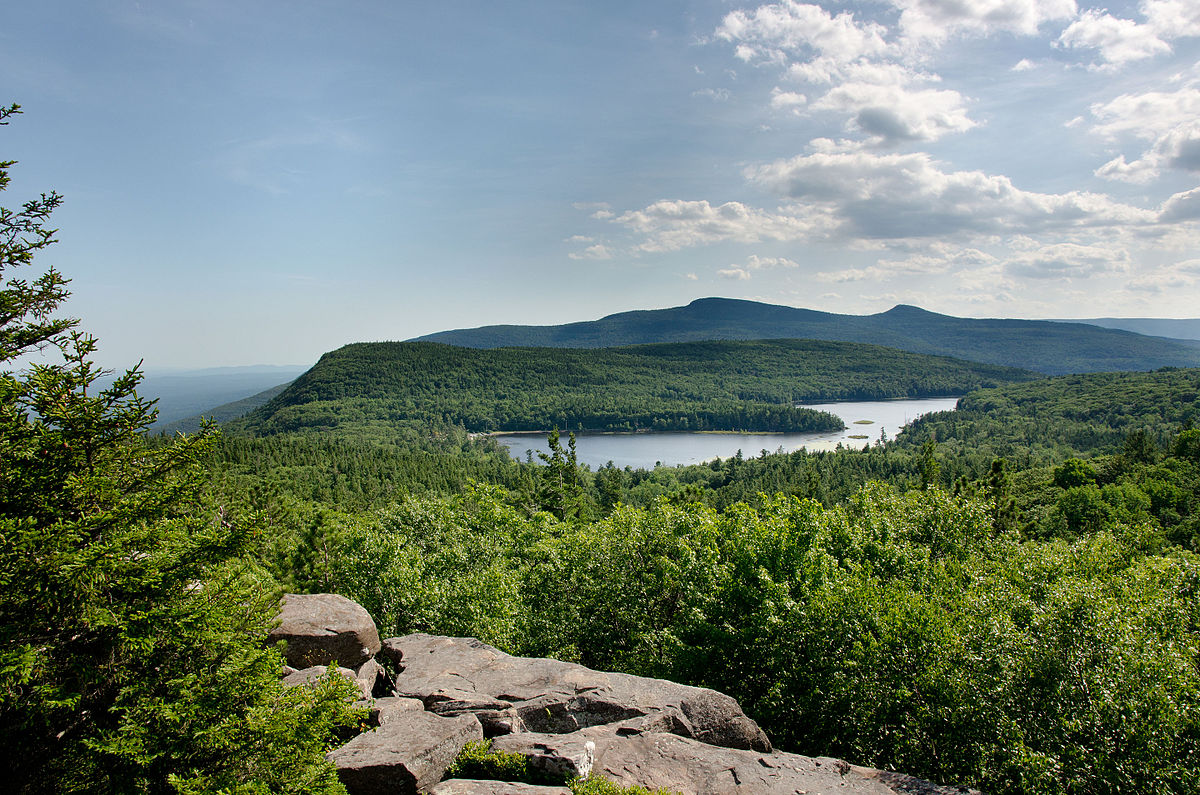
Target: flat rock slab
406 755
389 709
323 628
469 786
679 764
460 675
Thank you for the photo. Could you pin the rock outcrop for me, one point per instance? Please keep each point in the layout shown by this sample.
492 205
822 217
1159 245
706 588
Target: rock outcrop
565 719
323 628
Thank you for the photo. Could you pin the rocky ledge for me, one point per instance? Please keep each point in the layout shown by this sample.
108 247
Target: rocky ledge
565 719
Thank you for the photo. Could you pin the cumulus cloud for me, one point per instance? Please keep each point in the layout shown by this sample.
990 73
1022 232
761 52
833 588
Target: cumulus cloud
1118 41
1168 120
937 20
778 31
1170 279
909 196
756 263
597 251
1179 17
673 225
935 259
787 100
893 113
1183 206
869 83
1068 260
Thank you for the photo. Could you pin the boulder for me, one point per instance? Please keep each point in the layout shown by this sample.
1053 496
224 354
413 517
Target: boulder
549 696
324 628
469 786
404 756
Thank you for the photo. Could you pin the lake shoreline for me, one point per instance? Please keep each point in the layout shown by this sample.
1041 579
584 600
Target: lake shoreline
648 449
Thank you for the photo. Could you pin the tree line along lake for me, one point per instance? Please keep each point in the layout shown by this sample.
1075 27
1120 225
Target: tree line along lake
866 421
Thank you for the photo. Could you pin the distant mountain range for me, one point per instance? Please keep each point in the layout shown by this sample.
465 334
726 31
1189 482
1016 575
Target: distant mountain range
1052 347
1187 329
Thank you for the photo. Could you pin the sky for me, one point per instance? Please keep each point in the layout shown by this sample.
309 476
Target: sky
261 182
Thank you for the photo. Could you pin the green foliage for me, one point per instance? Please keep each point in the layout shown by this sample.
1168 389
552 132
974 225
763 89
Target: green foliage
378 389
596 785
1045 422
909 630
1072 473
477 760
132 620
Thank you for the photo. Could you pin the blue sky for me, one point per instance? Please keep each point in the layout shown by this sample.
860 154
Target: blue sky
261 182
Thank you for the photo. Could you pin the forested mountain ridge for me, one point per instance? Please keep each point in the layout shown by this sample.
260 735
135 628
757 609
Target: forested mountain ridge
1181 329
1054 348
715 385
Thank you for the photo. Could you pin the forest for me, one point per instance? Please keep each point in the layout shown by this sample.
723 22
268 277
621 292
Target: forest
373 390
1003 596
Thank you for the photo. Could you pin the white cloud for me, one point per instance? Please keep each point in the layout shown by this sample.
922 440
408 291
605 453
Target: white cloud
935 259
715 94
1119 41
1170 121
756 262
1171 279
892 113
869 78
787 100
1183 206
779 30
910 196
1068 260
673 225
937 20
1024 65
1176 18
598 251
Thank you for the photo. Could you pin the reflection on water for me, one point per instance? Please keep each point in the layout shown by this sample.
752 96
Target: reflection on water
865 422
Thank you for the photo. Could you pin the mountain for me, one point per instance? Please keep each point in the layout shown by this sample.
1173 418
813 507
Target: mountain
374 389
1049 347
1184 329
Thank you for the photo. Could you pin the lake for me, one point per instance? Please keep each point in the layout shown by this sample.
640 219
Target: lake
865 419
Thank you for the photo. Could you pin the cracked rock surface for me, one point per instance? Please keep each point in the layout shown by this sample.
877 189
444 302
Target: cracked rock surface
565 719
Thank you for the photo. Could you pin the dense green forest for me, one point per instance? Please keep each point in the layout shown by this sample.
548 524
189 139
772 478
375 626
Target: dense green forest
378 389
1055 348
1003 596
